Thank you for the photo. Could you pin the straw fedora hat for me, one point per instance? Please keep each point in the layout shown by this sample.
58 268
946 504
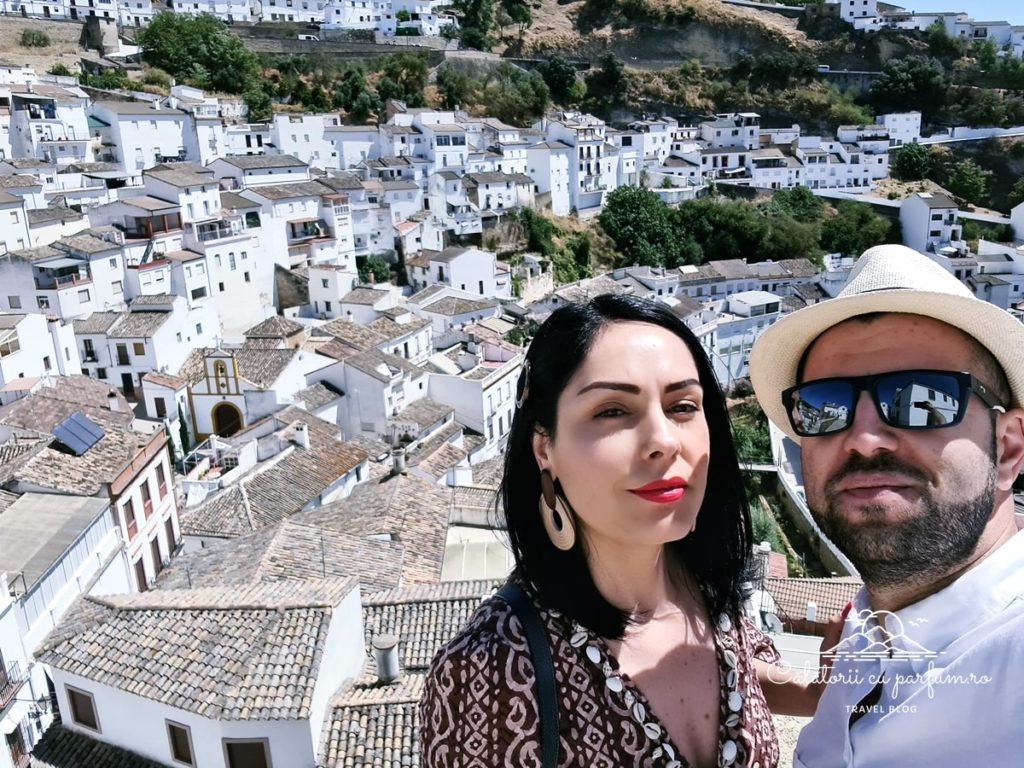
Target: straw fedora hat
887 278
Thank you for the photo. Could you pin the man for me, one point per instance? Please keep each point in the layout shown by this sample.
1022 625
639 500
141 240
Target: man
911 477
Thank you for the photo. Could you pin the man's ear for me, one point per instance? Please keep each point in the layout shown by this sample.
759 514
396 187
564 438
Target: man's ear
1009 447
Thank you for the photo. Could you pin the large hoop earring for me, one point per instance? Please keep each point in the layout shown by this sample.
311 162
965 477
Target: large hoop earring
554 513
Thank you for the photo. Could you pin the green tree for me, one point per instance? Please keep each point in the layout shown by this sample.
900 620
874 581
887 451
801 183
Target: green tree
970 181
607 84
941 45
514 96
911 82
404 77
365 105
33 38
477 21
348 87
376 267
60 70
452 85
911 162
258 102
854 229
560 76
790 238
1016 196
637 221
798 202
199 49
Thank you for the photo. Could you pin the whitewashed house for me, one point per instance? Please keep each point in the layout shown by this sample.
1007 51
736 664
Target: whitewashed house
51 548
223 650
32 346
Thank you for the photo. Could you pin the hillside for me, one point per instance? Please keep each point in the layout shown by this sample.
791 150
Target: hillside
64 45
657 33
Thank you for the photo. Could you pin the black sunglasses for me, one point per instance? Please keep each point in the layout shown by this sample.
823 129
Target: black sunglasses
918 399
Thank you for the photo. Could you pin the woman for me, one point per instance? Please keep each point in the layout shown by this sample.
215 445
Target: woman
626 514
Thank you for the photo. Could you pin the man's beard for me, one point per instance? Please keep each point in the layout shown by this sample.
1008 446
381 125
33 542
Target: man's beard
926 545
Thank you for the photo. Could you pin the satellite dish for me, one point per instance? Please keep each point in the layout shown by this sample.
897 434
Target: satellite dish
773 623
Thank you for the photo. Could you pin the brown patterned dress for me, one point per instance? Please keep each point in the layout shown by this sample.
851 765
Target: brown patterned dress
479 706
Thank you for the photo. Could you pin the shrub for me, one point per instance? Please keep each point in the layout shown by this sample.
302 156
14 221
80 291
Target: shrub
34 38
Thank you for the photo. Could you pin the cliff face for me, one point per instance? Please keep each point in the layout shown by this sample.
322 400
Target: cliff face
653 34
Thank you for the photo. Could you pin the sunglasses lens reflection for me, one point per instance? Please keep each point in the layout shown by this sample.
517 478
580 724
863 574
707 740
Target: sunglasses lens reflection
906 399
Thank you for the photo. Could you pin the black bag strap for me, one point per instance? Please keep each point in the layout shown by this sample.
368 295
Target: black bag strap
544 669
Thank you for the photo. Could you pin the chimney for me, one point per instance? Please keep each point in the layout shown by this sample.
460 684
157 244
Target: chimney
112 402
301 434
812 611
385 654
398 461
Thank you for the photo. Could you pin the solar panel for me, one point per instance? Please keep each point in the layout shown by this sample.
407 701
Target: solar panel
77 433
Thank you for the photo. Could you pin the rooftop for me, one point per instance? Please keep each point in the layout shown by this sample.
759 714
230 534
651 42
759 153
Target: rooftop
37 529
253 162
247 652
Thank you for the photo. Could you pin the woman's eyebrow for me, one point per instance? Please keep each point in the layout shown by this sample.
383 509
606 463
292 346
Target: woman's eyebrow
633 389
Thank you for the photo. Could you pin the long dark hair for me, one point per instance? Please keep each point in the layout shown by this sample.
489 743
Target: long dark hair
715 553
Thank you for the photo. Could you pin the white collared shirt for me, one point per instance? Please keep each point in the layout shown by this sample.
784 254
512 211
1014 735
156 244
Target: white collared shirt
952 672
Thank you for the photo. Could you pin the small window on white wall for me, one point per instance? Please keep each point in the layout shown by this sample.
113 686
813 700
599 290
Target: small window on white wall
83 708
247 753
180 738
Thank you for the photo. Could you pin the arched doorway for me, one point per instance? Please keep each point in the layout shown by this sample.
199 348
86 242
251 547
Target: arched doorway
227 419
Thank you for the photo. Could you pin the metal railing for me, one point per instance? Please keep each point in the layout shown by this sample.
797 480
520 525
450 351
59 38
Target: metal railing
11 680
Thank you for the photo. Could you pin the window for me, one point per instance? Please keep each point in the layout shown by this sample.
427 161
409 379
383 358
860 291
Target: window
327 306
46 362
116 287
14 302
101 373
248 279
131 522
199 329
147 499
220 287
180 738
231 260
139 348
83 296
177 337
113 262
161 476
247 754
323 282
83 708
199 293
161 407
43 302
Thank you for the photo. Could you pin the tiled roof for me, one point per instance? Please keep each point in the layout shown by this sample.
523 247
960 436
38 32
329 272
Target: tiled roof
290 190
86 474
363 295
164 380
293 550
799 267
228 653
587 289
424 412
317 395
49 405
39 253
56 213
96 322
182 178
423 617
830 595
272 493
6 498
61 747
256 365
155 300
454 305
17 181
374 725
251 162
374 334
406 508
138 325
275 327
380 365
88 242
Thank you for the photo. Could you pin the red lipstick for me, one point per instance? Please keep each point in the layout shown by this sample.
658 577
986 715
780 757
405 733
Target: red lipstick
665 491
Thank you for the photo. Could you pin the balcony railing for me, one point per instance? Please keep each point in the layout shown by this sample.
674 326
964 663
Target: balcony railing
210 234
11 680
45 283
